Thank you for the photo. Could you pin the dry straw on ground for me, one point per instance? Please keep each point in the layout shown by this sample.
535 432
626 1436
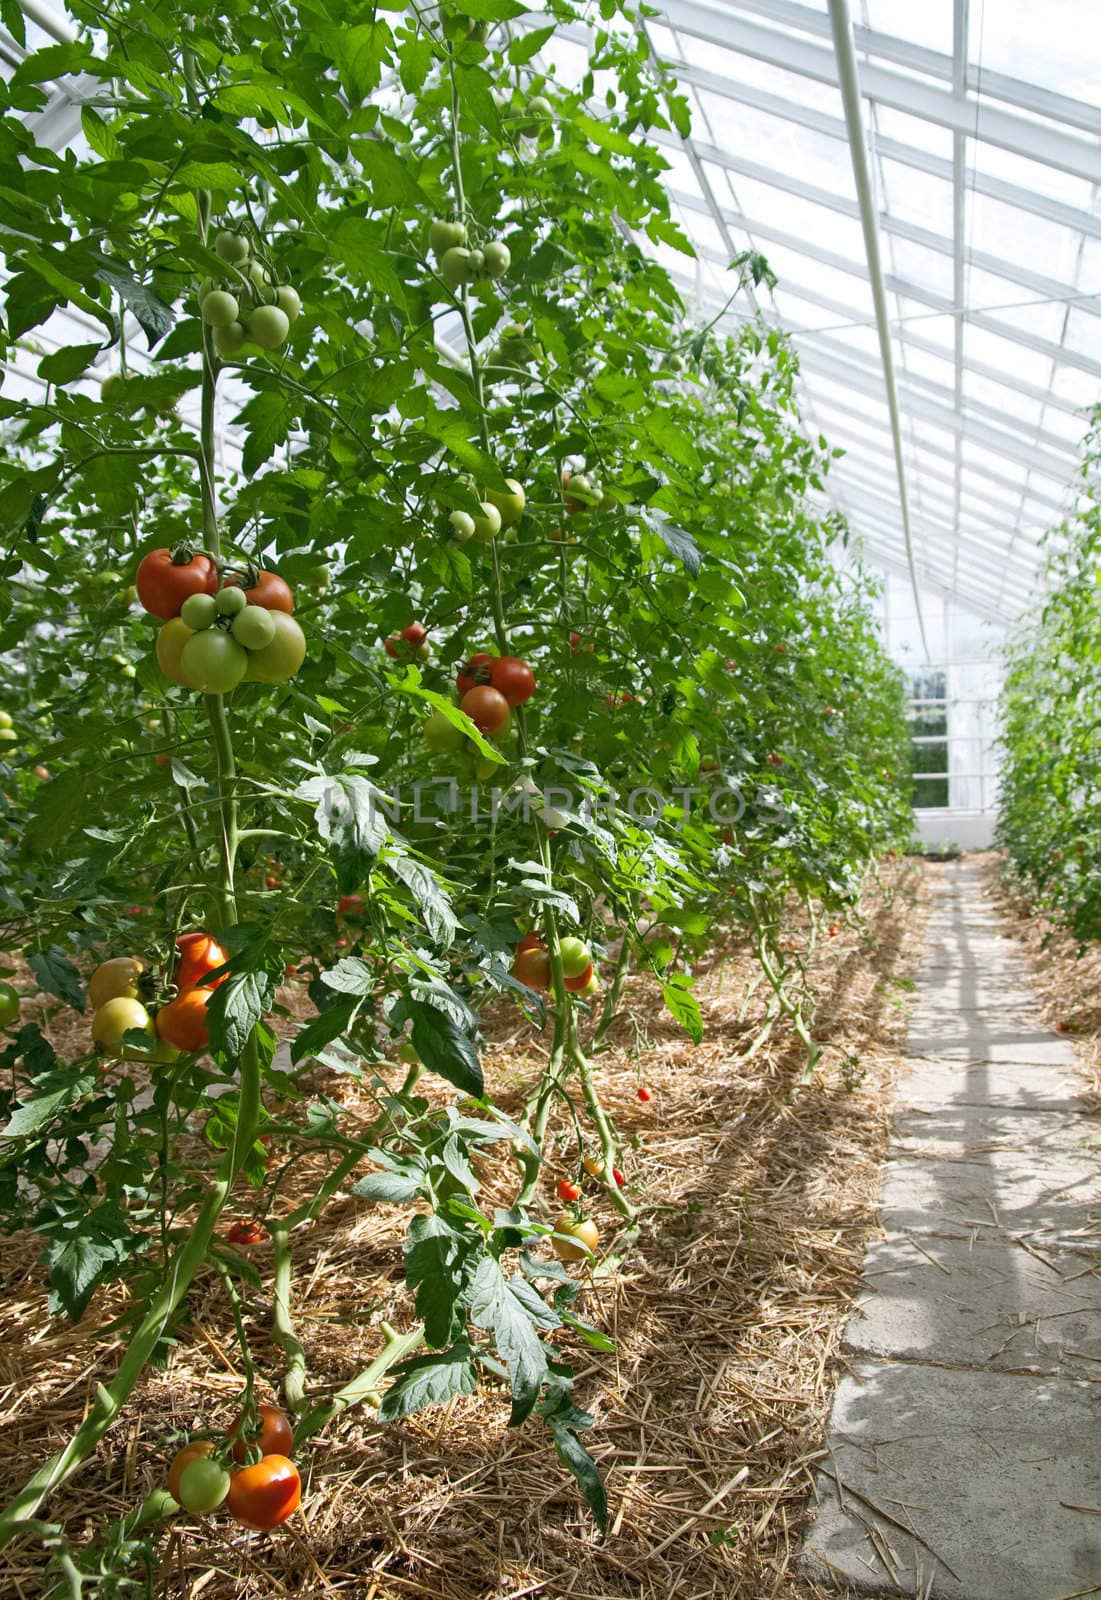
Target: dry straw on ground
726 1313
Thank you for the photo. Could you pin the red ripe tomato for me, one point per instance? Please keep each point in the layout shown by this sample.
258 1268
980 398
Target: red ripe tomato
200 955
567 1191
392 648
264 1495
530 941
274 1437
487 708
245 1233
618 1176
163 584
532 967
270 591
182 1022
582 980
415 635
476 671
775 761
834 930
513 678
644 1094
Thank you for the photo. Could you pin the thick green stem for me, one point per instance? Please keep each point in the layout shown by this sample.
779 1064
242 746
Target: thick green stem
363 1387
602 1125
615 991
294 1375
145 1338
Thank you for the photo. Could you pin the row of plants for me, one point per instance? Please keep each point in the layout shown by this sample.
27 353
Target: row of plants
424 611
1050 787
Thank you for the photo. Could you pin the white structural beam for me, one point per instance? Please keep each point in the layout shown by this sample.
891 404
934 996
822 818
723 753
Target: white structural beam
967 113
1016 92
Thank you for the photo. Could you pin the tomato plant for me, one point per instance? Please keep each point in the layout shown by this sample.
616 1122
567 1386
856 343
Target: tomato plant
331 347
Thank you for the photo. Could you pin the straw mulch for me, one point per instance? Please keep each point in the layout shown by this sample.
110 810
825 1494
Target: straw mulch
1067 981
755 1206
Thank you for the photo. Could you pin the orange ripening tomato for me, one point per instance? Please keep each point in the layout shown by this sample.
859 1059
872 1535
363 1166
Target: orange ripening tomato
486 707
270 591
274 1437
264 1495
530 941
200 955
182 1022
582 981
533 967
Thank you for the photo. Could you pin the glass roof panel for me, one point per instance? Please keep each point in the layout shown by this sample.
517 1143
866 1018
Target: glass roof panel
1018 168
995 351
929 25
1000 230
928 269
913 196
929 137
1006 38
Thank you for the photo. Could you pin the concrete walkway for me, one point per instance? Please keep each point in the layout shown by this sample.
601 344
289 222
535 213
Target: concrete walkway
965 1442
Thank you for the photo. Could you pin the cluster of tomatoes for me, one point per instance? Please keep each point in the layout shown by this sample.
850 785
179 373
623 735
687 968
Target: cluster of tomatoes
8 734
532 964
489 688
501 508
259 1494
117 988
584 493
246 308
410 644
217 632
460 265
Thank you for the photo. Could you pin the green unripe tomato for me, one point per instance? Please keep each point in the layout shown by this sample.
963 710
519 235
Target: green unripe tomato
488 524
199 611
536 114
575 956
219 308
445 236
203 1486
423 652
268 327
484 768
228 340
205 287
228 602
462 525
112 385
258 277
510 502
441 736
407 1054
232 246
457 266
6 719
8 736
497 259
114 1019
253 627
213 662
288 301
281 659
9 1005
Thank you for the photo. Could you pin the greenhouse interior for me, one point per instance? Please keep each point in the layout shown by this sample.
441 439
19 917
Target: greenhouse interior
550 800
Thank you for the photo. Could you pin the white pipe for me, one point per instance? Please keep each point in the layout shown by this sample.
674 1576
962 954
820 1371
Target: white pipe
49 20
844 46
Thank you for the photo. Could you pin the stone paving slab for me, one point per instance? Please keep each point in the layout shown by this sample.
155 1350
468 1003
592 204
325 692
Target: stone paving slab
1033 1046
983 1465
963 1198
991 1305
936 1085
990 1133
